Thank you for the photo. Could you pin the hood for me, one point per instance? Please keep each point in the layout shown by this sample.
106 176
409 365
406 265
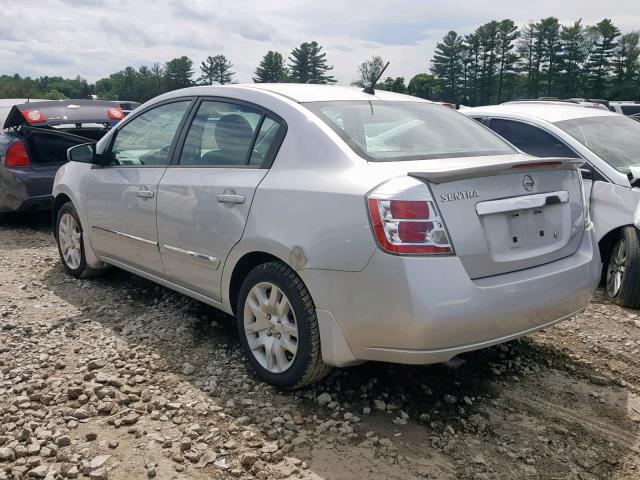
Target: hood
59 112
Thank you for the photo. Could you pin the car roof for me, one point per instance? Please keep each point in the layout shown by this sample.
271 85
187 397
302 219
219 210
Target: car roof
300 92
551 112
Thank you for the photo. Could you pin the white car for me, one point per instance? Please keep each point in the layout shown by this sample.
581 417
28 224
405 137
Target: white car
609 143
625 108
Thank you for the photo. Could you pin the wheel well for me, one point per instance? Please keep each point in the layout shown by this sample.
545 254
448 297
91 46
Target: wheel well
607 242
242 269
58 202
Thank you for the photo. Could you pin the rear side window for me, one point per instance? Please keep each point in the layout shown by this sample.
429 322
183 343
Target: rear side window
391 131
147 139
630 109
226 135
531 140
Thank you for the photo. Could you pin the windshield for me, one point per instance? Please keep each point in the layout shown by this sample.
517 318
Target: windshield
615 139
388 131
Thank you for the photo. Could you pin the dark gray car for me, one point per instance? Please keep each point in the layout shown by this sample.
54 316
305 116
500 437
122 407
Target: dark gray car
34 142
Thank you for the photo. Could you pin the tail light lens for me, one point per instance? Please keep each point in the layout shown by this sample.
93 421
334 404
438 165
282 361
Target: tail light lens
405 219
115 113
34 116
17 155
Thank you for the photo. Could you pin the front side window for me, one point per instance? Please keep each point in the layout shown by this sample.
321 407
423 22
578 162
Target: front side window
226 134
390 131
615 139
531 140
147 139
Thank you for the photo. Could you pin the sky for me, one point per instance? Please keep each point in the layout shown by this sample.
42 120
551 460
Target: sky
94 38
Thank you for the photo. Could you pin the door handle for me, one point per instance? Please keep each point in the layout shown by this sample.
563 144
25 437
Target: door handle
144 193
230 198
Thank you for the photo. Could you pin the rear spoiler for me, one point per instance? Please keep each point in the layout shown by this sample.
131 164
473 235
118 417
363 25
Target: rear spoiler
472 169
60 112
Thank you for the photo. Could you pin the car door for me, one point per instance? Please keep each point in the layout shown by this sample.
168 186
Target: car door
122 193
205 196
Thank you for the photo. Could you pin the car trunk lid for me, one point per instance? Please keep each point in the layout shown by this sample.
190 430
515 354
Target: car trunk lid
67 112
507 213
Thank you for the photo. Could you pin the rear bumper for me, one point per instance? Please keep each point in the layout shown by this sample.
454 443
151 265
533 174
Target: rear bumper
26 189
427 310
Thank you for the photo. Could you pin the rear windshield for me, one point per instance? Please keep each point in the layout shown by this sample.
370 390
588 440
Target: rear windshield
390 131
615 139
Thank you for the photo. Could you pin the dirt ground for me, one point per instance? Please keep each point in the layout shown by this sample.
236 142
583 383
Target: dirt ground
118 378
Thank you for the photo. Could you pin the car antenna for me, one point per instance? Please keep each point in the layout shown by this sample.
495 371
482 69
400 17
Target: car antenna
369 88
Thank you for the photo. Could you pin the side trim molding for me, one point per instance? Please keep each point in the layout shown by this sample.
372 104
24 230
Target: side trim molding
125 235
214 261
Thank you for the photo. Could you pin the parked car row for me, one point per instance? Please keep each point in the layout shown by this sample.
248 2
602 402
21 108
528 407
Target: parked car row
337 225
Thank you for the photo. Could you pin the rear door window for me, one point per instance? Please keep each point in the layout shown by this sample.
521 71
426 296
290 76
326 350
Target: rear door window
226 135
530 139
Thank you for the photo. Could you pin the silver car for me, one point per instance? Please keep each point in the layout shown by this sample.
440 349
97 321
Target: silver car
336 225
609 144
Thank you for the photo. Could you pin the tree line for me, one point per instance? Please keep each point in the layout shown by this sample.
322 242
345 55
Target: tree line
306 63
499 62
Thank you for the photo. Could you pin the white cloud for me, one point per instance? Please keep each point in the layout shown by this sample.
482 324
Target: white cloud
93 38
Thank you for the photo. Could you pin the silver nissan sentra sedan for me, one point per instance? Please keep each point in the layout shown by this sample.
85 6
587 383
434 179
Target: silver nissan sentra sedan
336 225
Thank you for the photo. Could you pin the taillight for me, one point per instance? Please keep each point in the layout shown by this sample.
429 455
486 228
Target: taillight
34 116
405 219
115 113
17 155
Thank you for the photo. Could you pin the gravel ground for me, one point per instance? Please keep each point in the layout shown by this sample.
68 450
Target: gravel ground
119 378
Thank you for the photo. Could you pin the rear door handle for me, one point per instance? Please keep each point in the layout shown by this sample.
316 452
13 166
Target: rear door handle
144 193
230 198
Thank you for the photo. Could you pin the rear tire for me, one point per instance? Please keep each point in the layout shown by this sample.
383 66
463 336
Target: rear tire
278 327
623 269
70 240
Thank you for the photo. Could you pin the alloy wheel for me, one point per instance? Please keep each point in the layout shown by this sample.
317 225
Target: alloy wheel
270 327
69 237
616 268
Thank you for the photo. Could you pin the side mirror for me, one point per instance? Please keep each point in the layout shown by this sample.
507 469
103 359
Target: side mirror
84 153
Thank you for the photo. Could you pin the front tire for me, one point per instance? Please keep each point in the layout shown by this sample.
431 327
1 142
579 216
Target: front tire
70 240
278 327
623 269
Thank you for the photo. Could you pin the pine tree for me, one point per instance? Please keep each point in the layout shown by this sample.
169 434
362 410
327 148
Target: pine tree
488 37
471 57
627 67
178 73
599 67
572 57
271 69
549 31
507 34
216 70
309 65
529 53
446 65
